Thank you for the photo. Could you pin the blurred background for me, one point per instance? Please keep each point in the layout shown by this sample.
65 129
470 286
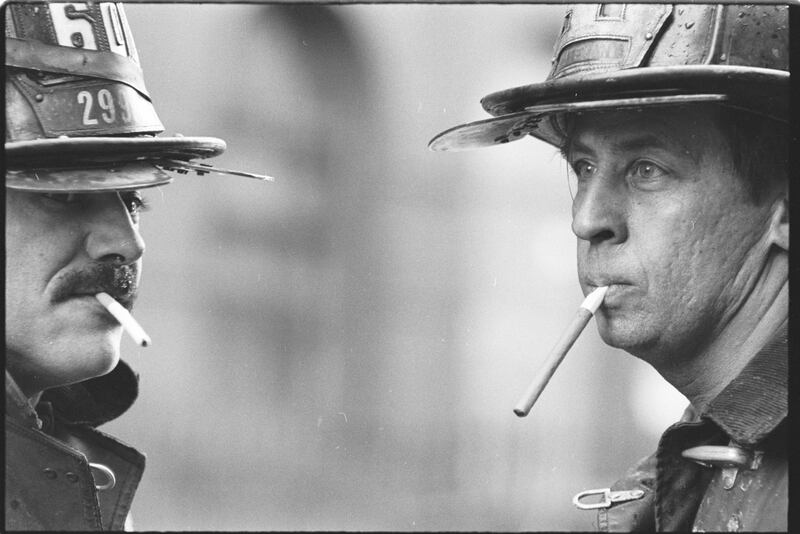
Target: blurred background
341 349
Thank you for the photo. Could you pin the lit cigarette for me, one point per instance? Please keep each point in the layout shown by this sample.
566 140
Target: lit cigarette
124 317
585 312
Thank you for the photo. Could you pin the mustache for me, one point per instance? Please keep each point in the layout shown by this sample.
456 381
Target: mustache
119 281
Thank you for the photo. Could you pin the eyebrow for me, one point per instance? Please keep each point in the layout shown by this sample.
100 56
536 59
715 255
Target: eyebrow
633 143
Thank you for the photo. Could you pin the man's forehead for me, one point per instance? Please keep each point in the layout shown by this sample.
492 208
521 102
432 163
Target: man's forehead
684 130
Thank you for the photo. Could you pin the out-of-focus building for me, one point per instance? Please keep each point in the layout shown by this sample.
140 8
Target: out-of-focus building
341 349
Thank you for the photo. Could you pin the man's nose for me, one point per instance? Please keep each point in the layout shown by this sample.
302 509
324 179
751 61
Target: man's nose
113 235
599 211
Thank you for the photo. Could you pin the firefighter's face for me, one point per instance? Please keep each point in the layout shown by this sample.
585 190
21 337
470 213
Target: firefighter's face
664 220
60 250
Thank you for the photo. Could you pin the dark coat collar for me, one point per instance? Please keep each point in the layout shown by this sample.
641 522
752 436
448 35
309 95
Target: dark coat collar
91 402
757 400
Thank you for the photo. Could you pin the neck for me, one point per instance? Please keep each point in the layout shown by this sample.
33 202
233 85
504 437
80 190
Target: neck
765 310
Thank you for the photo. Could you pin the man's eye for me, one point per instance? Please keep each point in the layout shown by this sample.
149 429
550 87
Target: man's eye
646 170
135 203
583 169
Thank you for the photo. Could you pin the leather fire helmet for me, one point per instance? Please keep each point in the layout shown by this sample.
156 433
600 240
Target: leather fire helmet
634 56
78 115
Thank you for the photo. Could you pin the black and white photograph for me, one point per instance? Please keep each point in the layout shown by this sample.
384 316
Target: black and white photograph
397 266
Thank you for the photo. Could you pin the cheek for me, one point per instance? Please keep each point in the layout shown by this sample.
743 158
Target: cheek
34 255
671 243
707 252
22 263
692 274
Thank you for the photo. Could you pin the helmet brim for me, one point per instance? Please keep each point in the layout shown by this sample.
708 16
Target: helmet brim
98 164
532 109
77 151
94 178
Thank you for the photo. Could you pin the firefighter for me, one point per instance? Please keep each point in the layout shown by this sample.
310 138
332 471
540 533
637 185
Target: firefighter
81 142
674 122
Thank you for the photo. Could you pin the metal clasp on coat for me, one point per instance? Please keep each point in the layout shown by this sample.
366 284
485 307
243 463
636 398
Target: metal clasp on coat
111 480
609 497
730 458
719 456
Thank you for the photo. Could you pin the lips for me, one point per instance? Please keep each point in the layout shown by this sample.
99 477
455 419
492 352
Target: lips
618 288
118 281
618 293
126 299
600 281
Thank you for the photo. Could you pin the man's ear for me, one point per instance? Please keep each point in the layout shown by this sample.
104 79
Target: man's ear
779 225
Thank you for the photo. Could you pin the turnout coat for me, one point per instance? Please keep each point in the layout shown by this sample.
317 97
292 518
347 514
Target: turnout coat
704 493
61 472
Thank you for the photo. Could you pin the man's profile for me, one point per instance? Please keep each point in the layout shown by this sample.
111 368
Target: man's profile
80 145
674 122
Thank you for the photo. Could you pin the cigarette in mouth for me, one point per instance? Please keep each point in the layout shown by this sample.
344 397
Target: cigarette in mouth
585 312
124 317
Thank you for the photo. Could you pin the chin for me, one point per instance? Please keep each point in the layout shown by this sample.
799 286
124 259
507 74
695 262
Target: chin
100 364
100 359
85 359
626 335
59 360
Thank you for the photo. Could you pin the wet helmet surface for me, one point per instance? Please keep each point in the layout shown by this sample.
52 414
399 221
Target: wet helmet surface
621 56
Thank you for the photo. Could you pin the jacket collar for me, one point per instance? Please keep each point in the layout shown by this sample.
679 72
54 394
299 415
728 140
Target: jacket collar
756 401
91 402
97 400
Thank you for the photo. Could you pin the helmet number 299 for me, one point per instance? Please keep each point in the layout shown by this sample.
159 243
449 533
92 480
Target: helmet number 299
106 103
